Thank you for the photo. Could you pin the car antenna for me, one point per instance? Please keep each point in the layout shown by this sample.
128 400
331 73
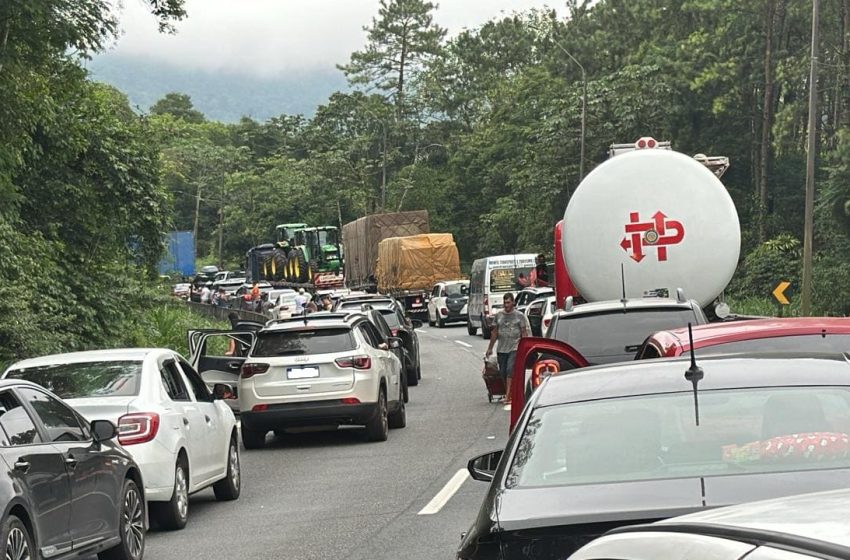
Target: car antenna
623 280
694 373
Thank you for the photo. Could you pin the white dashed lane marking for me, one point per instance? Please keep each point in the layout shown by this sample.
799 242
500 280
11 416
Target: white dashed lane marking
444 495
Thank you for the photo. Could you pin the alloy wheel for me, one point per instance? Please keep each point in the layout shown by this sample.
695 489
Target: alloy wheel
235 475
17 547
134 526
181 488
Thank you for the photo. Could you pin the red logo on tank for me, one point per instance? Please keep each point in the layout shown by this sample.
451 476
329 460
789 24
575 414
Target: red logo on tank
658 233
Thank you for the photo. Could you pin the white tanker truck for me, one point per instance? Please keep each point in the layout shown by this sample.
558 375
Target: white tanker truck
648 220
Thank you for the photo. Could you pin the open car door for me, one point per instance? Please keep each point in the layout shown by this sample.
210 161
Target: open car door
536 358
218 357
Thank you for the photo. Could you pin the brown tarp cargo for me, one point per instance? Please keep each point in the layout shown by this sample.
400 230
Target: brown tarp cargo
416 262
360 240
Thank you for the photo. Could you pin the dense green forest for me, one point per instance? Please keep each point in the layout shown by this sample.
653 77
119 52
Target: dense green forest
481 129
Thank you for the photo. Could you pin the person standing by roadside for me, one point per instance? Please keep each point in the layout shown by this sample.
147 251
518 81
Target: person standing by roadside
300 301
509 327
205 294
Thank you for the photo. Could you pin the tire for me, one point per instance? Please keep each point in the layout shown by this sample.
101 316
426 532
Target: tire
229 487
441 323
378 426
410 372
485 331
405 391
398 419
418 371
301 270
253 440
173 514
470 328
430 322
131 528
17 541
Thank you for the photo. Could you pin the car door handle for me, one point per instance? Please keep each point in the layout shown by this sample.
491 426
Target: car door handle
70 462
185 421
22 466
234 365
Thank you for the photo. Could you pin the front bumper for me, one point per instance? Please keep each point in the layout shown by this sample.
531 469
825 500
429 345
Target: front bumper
315 413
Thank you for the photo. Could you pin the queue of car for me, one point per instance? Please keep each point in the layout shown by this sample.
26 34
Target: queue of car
761 411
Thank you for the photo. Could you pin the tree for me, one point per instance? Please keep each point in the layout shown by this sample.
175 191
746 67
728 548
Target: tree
401 41
178 105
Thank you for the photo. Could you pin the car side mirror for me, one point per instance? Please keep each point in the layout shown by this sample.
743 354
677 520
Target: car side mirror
417 324
103 430
222 391
394 342
483 467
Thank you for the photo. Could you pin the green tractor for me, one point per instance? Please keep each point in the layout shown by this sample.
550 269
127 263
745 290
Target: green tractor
305 251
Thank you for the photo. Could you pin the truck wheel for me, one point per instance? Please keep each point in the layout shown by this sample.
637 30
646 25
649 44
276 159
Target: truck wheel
470 328
485 330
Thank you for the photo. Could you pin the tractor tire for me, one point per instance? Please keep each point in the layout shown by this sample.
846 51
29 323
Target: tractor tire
314 268
303 267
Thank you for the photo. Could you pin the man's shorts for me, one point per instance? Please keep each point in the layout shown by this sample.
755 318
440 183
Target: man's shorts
506 362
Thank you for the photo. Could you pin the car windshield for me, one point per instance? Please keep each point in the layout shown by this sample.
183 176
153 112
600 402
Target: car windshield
800 343
509 279
306 341
87 379
741 431
616 335
457 290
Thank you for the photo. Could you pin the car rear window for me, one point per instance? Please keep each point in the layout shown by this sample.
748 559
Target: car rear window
85 380
800 343
390 317
741 431
617 335
303 341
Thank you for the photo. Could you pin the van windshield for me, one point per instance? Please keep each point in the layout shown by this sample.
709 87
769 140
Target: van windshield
510 279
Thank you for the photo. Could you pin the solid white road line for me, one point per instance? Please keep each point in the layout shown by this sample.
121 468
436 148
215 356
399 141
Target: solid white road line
423 331
462 343
444 495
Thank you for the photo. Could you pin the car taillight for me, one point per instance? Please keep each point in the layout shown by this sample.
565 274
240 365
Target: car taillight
138 427
250 370
394 332
444 311
351 400
260 408
356 362
546 322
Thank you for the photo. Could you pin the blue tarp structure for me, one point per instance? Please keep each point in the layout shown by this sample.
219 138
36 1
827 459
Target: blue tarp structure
181 254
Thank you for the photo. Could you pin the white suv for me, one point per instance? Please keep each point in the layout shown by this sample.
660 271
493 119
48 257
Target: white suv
333 369
448 302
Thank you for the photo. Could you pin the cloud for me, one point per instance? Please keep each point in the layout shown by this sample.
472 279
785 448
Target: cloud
271 37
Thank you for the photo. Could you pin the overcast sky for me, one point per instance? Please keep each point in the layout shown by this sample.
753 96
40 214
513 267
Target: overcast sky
268 37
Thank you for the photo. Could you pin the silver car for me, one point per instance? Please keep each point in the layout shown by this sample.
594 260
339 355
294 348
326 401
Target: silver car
804 527
322 370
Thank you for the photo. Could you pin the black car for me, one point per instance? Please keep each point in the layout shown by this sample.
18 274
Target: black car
401 326
66 489
388 335
603 447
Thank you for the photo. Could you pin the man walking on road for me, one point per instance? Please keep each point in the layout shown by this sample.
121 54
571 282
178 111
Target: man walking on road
508 327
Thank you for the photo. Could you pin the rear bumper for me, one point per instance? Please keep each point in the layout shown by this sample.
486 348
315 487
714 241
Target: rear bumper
316 413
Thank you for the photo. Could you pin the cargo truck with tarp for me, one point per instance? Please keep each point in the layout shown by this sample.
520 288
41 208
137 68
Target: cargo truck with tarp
408 267
361 237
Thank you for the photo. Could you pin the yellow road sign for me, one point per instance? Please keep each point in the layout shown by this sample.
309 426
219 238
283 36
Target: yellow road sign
779 292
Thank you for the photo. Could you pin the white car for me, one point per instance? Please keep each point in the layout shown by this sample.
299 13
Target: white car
182 438
330 370
283 303
802 527
539 314
448 302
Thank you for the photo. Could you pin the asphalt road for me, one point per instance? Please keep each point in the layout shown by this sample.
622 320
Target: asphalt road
327 495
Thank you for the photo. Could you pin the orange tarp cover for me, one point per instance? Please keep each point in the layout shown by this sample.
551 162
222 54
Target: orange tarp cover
416 262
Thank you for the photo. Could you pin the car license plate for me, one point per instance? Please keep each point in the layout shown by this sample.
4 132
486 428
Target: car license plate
302 373
416 304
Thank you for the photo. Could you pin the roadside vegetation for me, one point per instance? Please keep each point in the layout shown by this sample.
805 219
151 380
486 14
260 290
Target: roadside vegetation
481 129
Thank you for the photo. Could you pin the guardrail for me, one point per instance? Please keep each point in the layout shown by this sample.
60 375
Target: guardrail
222 313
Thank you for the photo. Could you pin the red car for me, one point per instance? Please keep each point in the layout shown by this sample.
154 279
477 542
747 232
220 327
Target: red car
543 356
793 334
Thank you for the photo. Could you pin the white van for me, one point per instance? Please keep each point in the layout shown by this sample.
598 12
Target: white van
491 278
